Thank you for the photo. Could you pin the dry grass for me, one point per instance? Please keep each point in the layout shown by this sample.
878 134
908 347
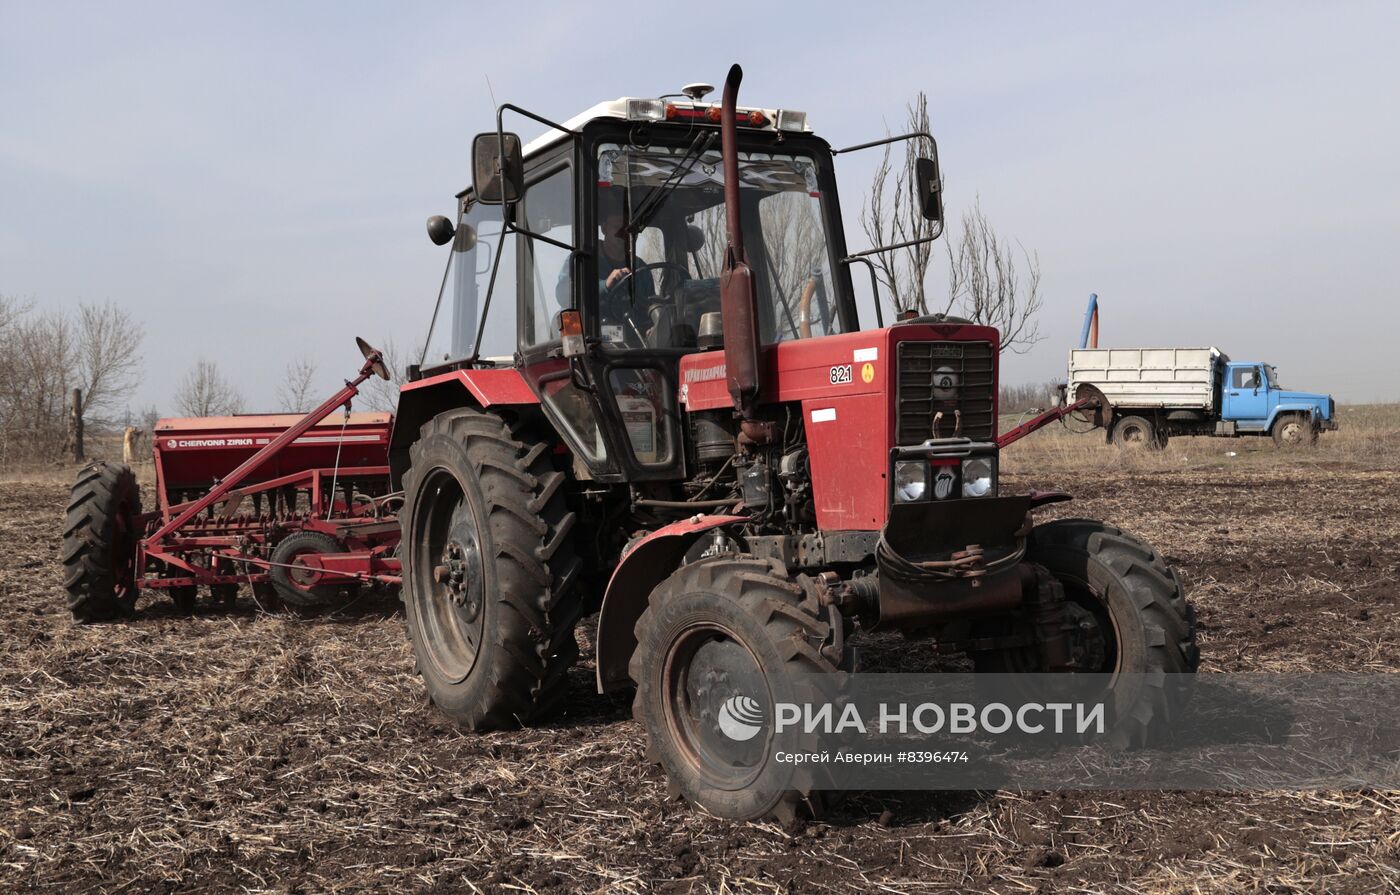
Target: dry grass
1369 437
264 753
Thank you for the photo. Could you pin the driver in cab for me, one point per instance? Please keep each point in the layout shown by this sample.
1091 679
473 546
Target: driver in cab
613 272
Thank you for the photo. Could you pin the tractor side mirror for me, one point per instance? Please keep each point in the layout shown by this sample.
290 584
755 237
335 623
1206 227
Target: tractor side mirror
466 239
498 169
440 230
928 189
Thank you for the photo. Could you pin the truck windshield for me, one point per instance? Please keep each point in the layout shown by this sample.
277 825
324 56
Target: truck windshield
661 215
1272 374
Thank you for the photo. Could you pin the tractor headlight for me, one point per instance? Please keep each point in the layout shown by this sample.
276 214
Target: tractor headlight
978 477
910 480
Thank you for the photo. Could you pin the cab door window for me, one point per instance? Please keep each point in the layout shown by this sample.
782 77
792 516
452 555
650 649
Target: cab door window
463 300
548 209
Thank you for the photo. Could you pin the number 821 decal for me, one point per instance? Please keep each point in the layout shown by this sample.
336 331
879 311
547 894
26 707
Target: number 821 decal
840 374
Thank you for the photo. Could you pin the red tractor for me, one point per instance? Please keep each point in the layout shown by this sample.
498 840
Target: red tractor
646 393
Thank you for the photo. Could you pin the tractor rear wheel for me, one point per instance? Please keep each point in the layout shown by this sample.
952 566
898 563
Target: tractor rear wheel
716 649
1294 430
1127 616
489 570
99 542
303 587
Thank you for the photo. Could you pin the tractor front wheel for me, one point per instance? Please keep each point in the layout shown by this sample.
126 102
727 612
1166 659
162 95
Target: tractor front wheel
1126 618
99 542
489 570
717 648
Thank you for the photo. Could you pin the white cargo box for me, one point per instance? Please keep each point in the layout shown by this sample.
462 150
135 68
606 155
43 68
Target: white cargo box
1148 377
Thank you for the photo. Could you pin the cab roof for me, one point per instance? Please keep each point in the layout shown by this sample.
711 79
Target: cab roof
617 108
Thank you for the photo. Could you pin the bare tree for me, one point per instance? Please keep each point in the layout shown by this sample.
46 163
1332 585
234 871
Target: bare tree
48 355
295 394
994 283
34 403
149 417
108 361
1030 396
12 312
383 394
890 215
205 392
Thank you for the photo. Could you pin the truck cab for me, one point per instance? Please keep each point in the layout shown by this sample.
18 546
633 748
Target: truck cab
1252 401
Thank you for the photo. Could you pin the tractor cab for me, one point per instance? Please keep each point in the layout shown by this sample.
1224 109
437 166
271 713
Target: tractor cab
613 225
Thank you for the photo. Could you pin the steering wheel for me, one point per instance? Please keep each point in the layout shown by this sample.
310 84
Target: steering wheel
616 289
656 265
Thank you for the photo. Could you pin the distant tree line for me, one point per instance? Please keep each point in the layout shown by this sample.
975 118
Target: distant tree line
1029 396
63 372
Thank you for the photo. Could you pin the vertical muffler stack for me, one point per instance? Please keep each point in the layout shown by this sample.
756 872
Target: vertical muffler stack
737 303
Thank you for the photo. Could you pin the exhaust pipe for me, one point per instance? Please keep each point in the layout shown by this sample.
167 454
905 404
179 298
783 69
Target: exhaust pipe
736 289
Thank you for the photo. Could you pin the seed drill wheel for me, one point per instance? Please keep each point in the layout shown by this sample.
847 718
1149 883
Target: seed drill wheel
489 570
99 542
1127 616
716 647
305 587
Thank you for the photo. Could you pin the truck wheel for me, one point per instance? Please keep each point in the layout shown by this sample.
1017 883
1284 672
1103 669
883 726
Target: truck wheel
489 570
1128 615
300 587
1294 431
99 542
1138 433
715 648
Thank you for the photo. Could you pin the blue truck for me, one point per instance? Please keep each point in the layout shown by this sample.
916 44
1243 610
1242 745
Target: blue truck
1151 394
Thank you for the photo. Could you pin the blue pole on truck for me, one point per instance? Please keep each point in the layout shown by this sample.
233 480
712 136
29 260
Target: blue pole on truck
1090 314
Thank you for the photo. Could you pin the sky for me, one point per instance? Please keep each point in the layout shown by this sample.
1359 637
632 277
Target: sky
251 180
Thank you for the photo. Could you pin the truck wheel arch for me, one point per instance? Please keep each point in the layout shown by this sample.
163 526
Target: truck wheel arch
643 566
1307 411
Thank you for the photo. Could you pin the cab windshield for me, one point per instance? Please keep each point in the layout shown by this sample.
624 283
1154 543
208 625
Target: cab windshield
661 244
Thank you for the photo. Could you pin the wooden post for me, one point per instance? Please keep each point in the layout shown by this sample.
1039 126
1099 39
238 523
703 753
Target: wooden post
75 425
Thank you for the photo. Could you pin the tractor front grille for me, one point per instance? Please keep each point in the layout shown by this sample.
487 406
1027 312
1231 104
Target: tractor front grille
955 378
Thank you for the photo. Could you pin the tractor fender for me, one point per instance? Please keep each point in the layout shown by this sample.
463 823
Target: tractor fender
643 566
423 399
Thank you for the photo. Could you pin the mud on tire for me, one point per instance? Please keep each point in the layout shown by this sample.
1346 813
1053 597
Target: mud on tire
757 627
99 542
489 570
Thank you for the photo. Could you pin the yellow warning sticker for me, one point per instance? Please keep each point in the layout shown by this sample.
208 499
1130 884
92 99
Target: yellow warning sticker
867 373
